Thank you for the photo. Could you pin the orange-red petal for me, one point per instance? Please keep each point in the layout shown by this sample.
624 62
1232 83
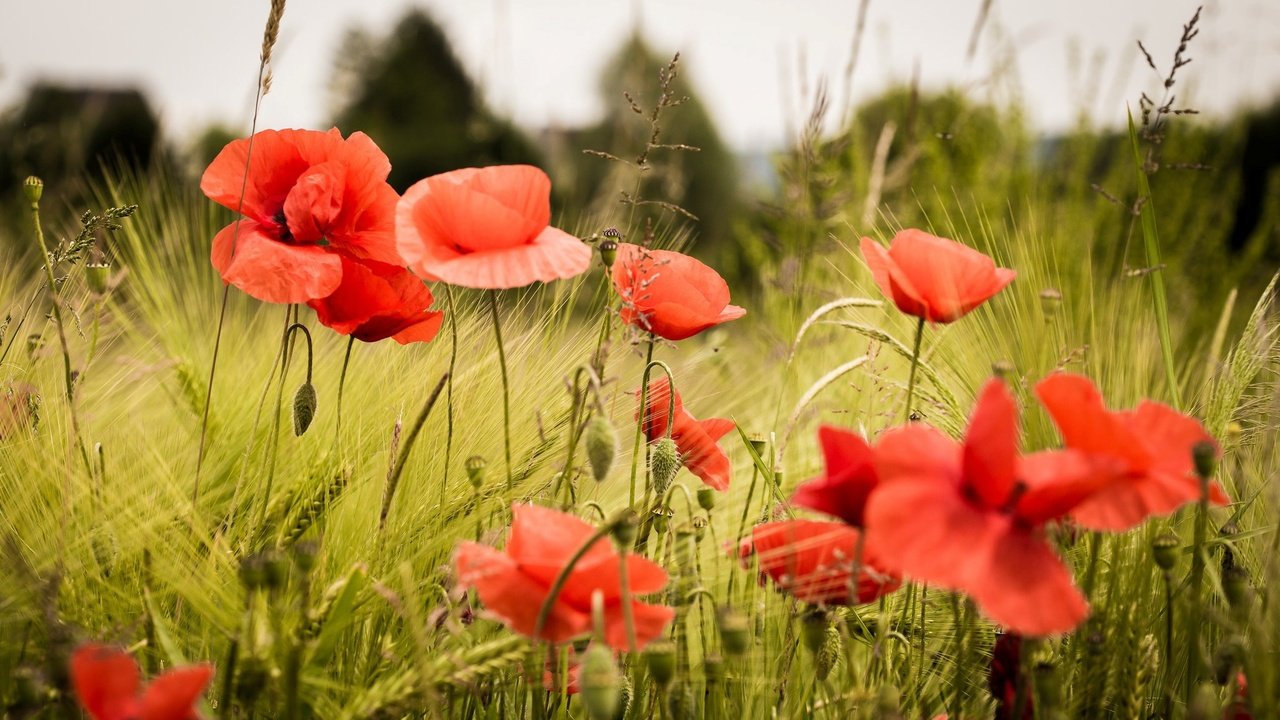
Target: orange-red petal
991 446
849 479
670 294
272 271
171 696
106 681
513 597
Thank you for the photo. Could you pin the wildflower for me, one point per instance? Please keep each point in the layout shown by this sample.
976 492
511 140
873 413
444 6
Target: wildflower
933 278
971 517
310 199
848 480
376 301
106 682
486 228
695 439
513 584
670 294
1146 453
814 560
1005 675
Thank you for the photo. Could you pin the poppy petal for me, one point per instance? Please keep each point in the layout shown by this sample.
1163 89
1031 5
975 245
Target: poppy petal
1057 481
513 597
850 477
918 453
172 695
890 279
273 271
315 200
105 680
1078 410
648 620
601 573
553 255
1026 587
991 445
376 301
670 294
279 158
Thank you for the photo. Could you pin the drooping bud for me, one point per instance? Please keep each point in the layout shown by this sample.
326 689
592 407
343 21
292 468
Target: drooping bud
33 188
475 470
706 498
660 658
1205 455
813 628
735 630
304 408
600 683
1164 550
664 463
602 446
829 654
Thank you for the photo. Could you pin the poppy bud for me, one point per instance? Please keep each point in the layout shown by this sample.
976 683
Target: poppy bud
660 658
475 470
1050 301
253 573
1164 550
600 682
813 628
608 251
33 188
1235 585
735 630
96 276
829 654
1206 457
1227 534
706 498
1003 369
304 555
625 525
664 463
275 570
602 445
304 408
1204 704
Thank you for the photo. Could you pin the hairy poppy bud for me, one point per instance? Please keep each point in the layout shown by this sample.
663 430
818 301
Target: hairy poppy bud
600 682
664 463
706 498
626 693
304 408
33 188
475 470
735 630
1164 550
829 654
813 628
602 445
660 658
1206 457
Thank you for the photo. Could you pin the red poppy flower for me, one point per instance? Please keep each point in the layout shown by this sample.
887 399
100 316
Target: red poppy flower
849 479
971 517
1145 452
669 294
695 439
933 278
514 583
376 301
310 199
486 228
1005 675
814 560
106 682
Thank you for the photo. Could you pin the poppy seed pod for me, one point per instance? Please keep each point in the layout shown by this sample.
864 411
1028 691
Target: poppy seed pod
475 470
1050 301
609 251
758 443
97 276
304 408
602 446
662 519
735 630
1164 550
660 658
600 682
664 463
1205 455
33 188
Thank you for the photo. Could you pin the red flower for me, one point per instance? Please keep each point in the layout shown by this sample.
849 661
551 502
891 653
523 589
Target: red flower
669 294
310 199
971 517
695 439
377 301
849 479
1145 453
106 683
814 561
513 584
933 278
1005 675
486 228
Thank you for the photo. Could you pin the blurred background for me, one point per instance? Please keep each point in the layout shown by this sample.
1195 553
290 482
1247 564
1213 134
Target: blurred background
815 121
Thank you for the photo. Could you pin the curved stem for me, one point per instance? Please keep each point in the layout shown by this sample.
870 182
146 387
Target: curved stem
644 404
506 392
915 362
557 585
394 479
342 384
453 361
627 620
208 393
285 356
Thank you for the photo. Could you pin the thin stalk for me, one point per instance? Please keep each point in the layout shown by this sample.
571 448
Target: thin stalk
627 620
644 405
1195 616
453 362
394 479
342 384
1168 643
557 585
273 450
915 362
506 392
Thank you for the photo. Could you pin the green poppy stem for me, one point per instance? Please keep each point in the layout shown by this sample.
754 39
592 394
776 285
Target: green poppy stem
915 362
506 391
644 404
453 361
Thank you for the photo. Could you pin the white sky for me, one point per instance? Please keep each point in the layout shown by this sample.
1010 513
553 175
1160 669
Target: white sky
750 59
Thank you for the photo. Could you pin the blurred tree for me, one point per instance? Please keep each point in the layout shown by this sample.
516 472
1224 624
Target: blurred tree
410 94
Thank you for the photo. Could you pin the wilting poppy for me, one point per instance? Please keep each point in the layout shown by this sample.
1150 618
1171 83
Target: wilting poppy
106 682
971 517
486 228
670 294
695 439
310 199
848 481
814 561
513 583
1146 451
933 278
376 301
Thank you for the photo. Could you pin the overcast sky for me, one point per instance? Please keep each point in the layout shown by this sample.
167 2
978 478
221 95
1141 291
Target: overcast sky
752 60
